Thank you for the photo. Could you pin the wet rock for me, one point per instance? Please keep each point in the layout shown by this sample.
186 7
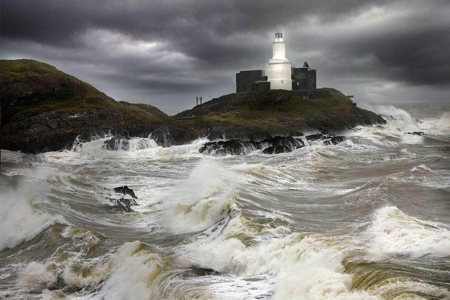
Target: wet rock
282 144
274 145
420 133
117 143
314 137
233 147
124 204
163 137
126 191
327 138
334 140
199 271
277 150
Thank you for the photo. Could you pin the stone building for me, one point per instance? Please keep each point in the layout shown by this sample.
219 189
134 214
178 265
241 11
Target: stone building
279 74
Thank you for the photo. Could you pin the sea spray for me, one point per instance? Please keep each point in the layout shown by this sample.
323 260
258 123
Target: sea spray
201 200
20 218
303 266
393 232
309 224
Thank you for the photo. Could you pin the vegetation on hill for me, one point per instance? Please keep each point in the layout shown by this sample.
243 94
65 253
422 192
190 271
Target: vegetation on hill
257 115
45 109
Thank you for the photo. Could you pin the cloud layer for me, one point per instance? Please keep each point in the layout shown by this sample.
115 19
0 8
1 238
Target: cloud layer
167 52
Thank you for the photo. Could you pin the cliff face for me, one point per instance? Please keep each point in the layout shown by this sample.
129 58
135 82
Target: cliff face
44 109
257 115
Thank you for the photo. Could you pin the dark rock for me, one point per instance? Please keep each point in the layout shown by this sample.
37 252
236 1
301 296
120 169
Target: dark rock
124 204
420 133
273 145
284 142
314 137
334 140
163 137
199 271
233 147
277 150
126 191
117 143
73 110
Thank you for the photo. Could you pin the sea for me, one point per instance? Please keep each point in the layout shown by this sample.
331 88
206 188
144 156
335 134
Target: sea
368 218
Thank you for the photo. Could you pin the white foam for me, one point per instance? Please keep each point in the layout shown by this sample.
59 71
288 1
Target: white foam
85 273
37 274
399 124
394 233
20 220
135 273
436 126
421 169
304 266
201 200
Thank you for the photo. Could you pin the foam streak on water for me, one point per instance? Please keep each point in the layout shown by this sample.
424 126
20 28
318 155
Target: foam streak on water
368 218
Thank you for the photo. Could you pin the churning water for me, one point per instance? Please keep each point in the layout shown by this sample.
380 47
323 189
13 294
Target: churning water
364 219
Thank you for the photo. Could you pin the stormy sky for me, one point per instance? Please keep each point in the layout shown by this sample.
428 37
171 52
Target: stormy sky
167 52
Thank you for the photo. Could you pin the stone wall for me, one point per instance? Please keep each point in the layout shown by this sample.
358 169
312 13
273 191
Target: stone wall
303 78
245 80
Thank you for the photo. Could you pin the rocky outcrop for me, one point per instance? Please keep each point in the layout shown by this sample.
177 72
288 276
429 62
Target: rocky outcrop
125 190
44 109
281 144
275 145
327 138
260 115
124 203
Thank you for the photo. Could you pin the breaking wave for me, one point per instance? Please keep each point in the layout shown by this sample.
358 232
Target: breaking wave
20 218
392 233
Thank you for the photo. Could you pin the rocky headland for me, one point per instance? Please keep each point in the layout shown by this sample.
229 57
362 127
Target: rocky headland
44 109
261 115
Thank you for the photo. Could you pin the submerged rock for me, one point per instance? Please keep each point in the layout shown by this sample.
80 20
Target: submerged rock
420 133
124 203
126 191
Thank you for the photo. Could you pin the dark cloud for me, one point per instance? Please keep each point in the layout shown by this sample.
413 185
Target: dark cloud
164 49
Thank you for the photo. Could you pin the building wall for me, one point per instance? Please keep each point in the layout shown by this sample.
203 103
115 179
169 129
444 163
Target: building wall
261 86
303 78
279 50
279 75
277 78
246 79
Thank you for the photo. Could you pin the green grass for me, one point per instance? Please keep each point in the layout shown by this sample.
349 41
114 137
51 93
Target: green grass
283 111
37 95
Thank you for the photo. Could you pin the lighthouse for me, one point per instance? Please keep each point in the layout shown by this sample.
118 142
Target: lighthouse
279 74
278 69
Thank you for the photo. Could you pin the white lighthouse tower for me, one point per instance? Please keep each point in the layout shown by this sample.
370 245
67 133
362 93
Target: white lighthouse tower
278 69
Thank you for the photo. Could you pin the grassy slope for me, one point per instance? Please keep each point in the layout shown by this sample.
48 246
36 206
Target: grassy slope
281 112
71 92
41 104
